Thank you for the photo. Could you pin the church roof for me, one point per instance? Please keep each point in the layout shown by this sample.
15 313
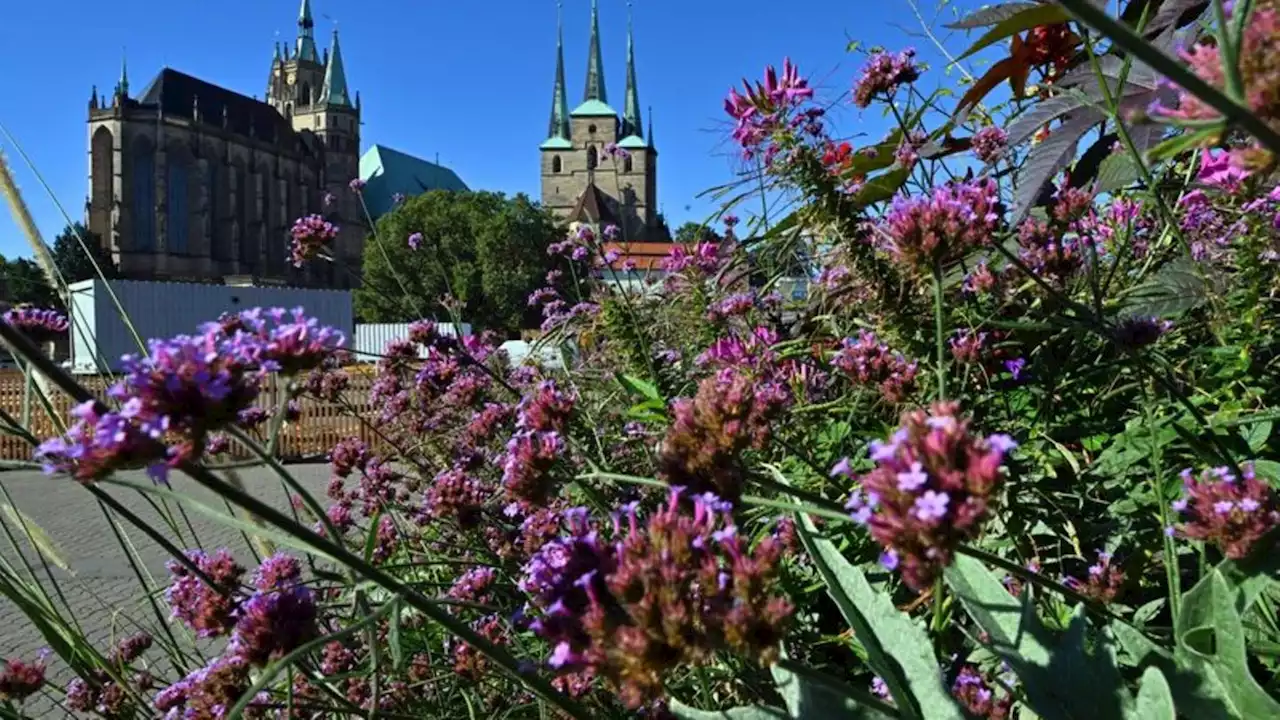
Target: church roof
176 94
633 142
387 172
556 143
593 207
594 108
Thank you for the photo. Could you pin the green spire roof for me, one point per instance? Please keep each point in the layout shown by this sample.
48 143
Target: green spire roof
306 34
631 124
122 87
335 78
595 63
558 128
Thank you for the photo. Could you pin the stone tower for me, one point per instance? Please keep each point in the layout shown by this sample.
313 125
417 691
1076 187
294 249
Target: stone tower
597 166
311 92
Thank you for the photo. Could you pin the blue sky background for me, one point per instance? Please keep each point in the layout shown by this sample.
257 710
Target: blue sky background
469 80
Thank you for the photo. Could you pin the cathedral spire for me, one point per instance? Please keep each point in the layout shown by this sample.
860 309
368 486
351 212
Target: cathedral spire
595 89
335 78
650 135
631 124
306 34
122 87
559 124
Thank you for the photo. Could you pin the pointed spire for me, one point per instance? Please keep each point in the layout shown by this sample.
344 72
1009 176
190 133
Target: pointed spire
122 87
559 125
595 63
631 124
650 134
275 53
306 34
335 78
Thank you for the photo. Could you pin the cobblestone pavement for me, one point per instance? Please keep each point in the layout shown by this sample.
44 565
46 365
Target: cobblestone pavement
103 591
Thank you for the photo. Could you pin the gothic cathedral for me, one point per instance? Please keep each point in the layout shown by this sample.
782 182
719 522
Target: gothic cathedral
190 181
600 167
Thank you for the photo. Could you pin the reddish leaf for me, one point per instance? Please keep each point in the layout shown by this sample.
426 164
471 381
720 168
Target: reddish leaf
998 73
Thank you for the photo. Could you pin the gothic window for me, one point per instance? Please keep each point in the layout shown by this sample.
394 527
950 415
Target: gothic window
103 182
591 158
555 164
626 164
144 196
591 129
306 94
176 203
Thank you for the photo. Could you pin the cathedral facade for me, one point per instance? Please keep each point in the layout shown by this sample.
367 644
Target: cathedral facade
600 166
189 181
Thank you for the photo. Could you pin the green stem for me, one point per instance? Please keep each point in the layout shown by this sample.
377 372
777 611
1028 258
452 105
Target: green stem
1162 504
939 340
1229 48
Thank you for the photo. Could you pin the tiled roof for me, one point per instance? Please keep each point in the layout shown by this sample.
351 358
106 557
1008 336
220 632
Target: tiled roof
645 255
176 94
387 172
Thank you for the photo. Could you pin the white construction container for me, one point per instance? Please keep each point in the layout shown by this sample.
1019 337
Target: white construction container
100 336
372 338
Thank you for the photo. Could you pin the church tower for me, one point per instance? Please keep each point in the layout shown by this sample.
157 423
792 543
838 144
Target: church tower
597 166
311 92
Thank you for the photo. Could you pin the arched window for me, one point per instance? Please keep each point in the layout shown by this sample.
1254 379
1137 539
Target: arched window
178 177
591 158
305 97
213 186
103 181
144 196
555 164
626 164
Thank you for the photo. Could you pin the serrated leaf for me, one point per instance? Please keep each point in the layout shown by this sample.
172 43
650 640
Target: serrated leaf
751 712
990 15
1177 288
1179 144
39 539
1117 170
1043 113
897 649
1257 434
1004 70
1155 699
1171 11
1048 159
1062 681
1211 643
1025 19
882 187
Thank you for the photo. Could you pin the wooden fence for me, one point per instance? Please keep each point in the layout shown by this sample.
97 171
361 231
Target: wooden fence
314 433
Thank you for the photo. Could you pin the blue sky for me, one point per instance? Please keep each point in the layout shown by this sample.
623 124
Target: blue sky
468 80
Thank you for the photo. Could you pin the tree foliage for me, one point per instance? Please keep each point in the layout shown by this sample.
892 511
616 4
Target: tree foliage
23 282
484 249
71 259
692 232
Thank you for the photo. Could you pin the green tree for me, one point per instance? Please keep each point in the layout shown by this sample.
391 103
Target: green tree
486 250
71 259
23 281
692 232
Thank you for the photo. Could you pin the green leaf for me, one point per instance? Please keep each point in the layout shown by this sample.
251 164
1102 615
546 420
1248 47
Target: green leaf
1257 434
1117 170
1177 288
38 538
393 635
811 694
882 187
898 650
1062 680
1026 19
636 386
1155 699
1179 144
751 712
1211 643
990 15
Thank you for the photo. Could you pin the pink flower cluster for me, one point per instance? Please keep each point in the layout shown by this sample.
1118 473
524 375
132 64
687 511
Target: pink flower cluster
923 231
1103 582
310 234
869 362
1230 509
967 346
730 413
989 144
209 610
932 487
883 74
762 109
977 696
39 325
20 679
541 419
662 594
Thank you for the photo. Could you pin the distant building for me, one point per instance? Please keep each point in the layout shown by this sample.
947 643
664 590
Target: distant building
192 181
598 166
388 173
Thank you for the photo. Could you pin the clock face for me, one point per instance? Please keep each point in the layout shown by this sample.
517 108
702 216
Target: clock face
293 78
